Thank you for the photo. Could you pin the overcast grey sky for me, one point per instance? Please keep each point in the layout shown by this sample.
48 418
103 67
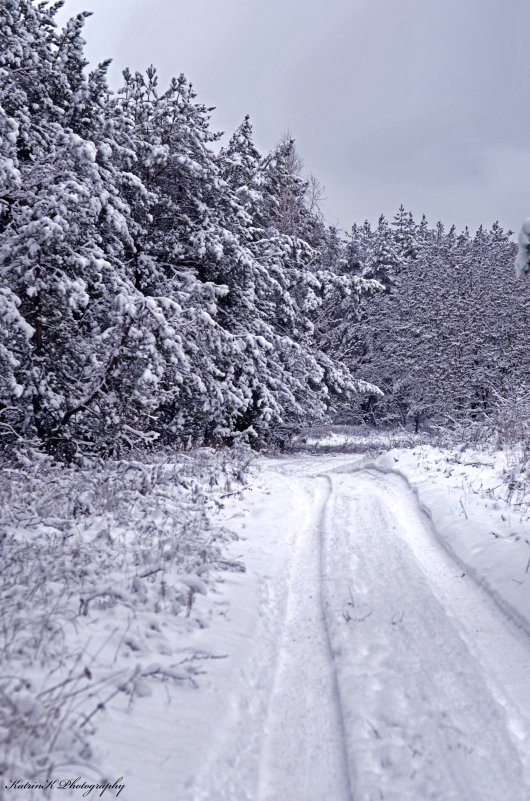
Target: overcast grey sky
420 102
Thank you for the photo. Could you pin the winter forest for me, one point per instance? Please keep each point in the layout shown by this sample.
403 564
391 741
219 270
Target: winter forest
156 288
178 321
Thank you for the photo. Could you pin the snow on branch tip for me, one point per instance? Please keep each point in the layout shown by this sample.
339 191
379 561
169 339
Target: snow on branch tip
522 262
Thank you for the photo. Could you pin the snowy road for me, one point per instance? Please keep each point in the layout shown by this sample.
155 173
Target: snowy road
369 668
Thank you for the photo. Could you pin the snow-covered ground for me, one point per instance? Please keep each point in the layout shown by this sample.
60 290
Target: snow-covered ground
378 669
101 569
375 648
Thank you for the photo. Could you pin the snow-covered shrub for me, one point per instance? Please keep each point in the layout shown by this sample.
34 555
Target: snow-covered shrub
100 568
509 423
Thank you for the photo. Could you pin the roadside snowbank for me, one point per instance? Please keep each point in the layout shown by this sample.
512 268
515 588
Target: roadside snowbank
478 501
479 507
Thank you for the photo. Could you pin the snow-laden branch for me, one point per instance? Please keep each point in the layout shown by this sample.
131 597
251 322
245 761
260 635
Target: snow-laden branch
522 262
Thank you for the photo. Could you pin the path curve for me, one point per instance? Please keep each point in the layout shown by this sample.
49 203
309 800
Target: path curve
375 670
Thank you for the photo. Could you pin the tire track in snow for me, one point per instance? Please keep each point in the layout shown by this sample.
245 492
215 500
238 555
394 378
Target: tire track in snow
282 739
421 722
323 607
303 753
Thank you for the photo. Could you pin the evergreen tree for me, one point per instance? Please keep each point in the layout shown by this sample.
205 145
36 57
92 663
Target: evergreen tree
405 236
446 346
383 262
151 288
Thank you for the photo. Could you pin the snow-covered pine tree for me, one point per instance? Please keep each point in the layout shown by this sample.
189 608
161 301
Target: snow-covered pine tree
354 252
240 160
445 347
405 234
295 281
383 261
150 288
64 226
